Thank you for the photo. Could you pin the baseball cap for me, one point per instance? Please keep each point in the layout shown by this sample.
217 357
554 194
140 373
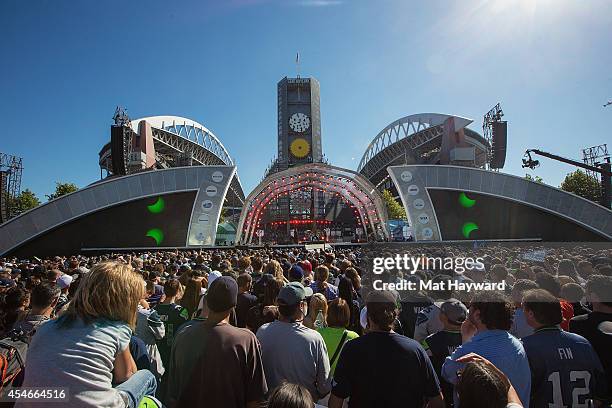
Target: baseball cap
64 281
213 276
454 310
222 294
293 293
296 273
381 296
306 265
363 317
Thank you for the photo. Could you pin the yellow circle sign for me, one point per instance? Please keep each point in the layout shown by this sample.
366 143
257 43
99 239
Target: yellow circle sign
299 148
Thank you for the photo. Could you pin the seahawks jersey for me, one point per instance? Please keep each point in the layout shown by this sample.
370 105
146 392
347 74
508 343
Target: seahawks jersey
565 371
173 316
411 306
427 322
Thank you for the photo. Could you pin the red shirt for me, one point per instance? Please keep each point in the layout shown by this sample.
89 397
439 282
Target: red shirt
567 311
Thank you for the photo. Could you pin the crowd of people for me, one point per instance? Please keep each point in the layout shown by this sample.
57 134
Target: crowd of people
288 327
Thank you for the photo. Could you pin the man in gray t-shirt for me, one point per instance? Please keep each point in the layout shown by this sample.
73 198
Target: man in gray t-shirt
291 351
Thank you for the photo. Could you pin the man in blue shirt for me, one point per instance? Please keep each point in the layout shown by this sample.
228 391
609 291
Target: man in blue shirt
565 370
485 332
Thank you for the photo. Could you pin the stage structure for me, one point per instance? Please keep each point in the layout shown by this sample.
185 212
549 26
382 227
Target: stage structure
336 191
11 168
446 203
164 209
423 138
495 132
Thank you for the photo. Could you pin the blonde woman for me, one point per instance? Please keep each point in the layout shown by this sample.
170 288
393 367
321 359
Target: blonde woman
320 284
86 350
317 303
275 269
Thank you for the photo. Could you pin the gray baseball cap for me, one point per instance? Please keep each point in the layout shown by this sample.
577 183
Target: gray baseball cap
455 311
293 293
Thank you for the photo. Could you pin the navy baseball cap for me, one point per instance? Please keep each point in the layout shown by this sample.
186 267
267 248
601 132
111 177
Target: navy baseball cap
222 294
296 273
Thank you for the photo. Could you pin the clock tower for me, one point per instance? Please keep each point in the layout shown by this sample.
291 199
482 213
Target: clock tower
299 122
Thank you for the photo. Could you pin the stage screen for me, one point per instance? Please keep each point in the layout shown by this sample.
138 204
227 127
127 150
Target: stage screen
157 221
472 216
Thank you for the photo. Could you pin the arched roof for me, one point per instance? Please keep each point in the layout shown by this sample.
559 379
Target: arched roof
406 127
190 130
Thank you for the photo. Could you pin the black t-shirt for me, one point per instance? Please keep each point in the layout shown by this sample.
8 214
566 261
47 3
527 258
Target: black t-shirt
439 346
580 309
385 370
259 315
412 304
244 302
590 327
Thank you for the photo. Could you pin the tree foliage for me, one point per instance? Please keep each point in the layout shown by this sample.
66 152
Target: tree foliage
395 210
537 179
25 201
62 189
583 185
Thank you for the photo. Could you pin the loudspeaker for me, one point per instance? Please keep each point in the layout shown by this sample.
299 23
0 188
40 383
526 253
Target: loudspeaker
120 149
4 211
606 181
498 148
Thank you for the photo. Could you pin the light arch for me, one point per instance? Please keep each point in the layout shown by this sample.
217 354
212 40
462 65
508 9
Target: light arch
347 184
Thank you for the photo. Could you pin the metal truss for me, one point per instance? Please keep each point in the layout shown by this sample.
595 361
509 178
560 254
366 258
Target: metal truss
493 115
13 166
199 153
202 137
591 154
411 126
402 147
185 146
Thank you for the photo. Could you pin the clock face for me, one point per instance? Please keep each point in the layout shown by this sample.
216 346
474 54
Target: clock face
299 122
299 148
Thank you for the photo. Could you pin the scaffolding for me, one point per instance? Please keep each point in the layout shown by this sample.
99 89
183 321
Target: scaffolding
12 167
592 156
493 115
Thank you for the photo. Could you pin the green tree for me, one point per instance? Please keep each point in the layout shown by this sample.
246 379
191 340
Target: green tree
583 185
25 201
537 179
223 216
395 210
62 189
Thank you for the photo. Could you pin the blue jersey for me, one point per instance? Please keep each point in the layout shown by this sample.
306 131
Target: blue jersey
565 371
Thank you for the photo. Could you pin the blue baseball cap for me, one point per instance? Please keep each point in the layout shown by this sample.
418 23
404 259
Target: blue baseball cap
296 273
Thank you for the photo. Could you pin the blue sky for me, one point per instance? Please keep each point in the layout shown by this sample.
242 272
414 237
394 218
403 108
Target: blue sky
66 65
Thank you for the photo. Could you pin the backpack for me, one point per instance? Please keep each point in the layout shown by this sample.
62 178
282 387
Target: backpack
13 349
